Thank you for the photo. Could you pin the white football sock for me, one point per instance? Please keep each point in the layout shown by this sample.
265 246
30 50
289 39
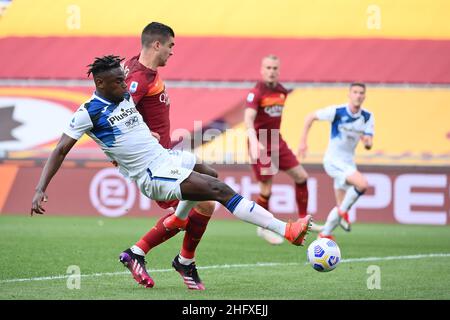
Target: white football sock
183 208
276 225
184 260
250 211
332 222
350 198
137 250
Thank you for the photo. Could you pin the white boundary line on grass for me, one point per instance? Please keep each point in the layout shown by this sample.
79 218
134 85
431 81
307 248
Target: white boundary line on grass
228 266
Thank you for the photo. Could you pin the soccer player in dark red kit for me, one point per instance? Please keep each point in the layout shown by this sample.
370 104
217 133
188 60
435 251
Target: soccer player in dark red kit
152 101
268 151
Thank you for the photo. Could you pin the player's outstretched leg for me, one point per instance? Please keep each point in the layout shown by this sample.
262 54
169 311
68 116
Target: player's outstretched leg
199 187
136 264
350 198
331 223
358 187
344 220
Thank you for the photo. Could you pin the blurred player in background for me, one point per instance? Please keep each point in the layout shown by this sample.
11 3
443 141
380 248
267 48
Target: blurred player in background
268 151
110 118
350 123
152 101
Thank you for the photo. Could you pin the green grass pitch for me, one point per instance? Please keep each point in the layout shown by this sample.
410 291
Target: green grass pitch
233 262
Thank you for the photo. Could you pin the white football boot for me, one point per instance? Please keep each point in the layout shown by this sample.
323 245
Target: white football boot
270 236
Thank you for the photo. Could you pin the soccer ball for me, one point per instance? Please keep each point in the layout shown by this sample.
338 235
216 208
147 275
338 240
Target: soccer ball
324 255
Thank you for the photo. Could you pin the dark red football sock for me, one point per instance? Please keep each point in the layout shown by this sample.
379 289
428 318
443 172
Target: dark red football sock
301 195
263 201
157 235
195 229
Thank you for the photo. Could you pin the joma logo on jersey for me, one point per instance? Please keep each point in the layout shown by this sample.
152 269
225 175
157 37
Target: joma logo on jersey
125 113
274 111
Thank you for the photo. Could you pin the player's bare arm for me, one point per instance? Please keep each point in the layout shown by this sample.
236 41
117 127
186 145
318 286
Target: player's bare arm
303 147
52 166
367 141
255 145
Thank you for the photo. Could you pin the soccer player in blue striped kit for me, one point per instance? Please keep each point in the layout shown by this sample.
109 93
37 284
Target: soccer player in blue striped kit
350 123
110 118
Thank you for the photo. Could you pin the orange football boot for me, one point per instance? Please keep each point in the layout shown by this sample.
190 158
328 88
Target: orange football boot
296 231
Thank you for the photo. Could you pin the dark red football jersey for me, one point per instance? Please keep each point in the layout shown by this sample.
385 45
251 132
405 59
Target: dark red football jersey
269 104
150 96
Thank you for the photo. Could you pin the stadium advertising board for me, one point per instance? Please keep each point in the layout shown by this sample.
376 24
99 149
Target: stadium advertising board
396 195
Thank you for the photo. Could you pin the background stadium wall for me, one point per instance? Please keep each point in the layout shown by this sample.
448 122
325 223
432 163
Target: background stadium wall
408 195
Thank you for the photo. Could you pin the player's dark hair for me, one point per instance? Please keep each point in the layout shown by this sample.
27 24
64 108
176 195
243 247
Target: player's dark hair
358 84
104 63
156 31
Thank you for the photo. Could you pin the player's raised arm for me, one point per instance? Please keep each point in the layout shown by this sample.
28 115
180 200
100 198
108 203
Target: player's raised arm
324 114
51 167
303 147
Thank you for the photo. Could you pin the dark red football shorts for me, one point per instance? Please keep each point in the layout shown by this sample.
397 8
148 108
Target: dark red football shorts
282 160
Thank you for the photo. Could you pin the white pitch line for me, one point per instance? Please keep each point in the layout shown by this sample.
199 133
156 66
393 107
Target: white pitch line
222 266
417 256
228 266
